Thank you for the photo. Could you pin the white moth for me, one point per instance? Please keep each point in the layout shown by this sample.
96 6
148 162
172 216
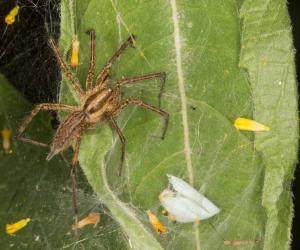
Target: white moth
184 203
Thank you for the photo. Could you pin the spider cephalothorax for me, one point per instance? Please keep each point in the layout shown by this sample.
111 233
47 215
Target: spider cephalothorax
100 101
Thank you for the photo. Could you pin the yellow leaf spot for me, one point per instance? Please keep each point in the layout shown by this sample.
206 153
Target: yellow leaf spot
12 228
10 18
92 218
6 135
157 225
75 52
249 125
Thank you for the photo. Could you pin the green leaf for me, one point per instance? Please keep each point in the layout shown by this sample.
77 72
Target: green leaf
34 188
222 62
268 56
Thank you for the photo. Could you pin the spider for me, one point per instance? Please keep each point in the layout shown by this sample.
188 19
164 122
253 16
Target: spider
98 103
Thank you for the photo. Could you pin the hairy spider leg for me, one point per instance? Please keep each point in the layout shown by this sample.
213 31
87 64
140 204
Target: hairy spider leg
74 82
26 139
104 72
90 74
117 93
122 139
160 76
55 107
34 112
142 104
114 105
73 175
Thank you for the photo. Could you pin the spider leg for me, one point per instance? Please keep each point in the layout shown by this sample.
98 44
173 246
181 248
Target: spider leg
142 104
73 176
34 112
104 72
65 69
90 75
122 139
103 85
161 76
28 140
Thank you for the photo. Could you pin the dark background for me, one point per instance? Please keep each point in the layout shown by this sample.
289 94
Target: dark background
294 9
27 40
24 53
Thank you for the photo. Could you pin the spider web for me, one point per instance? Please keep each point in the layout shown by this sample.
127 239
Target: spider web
146 166
30 66
26 59
33 187
226 167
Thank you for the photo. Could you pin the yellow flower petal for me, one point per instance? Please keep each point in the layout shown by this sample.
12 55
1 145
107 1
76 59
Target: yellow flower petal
12 228
75 52
15 10
10 18
92 218
6 144
157 225
249 125
6 133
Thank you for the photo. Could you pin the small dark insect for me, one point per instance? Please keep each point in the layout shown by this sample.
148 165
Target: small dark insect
98 103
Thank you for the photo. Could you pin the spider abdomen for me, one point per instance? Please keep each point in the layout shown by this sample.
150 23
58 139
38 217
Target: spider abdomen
67 132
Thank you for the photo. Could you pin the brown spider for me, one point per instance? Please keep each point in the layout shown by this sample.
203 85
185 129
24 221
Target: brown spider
97 104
